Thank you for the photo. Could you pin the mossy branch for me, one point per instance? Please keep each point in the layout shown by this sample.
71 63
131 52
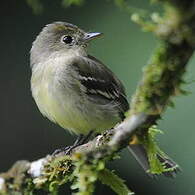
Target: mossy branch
161 80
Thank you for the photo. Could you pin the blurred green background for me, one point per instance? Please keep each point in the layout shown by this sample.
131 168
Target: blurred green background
26 134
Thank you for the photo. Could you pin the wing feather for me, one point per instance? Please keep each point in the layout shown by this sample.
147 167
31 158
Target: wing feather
99 81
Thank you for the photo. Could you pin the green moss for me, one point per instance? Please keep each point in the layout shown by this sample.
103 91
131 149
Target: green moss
156 167
86 173
112 180
161 78
154 152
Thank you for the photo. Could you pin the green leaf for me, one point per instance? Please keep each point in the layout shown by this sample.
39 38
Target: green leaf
109 178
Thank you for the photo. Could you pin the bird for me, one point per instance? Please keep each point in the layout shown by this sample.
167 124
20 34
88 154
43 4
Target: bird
77 91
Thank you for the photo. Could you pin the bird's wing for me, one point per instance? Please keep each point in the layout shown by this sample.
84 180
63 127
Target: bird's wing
100 82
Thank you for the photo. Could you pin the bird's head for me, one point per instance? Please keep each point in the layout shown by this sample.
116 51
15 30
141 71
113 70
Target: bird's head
61 37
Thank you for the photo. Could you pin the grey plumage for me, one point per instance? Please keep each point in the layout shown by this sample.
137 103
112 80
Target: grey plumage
101 85
74 89
70 87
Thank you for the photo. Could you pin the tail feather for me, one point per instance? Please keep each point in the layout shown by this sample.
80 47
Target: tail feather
140 154
169 164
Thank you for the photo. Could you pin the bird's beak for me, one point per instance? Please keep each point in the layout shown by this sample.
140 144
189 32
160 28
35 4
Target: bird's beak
92 35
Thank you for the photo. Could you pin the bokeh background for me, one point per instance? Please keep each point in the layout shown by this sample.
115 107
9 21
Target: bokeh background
26 134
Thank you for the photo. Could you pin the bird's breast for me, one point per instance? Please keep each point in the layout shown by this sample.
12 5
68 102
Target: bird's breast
55 97
42 86
59 98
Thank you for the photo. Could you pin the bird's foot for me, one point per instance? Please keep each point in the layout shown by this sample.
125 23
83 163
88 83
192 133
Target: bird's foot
65 150
68 149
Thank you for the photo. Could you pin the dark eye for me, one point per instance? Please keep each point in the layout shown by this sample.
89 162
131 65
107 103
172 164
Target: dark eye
67 39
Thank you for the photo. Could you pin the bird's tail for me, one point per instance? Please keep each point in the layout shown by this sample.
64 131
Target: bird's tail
169 166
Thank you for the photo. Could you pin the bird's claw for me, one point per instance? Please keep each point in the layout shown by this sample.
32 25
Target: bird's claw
65 150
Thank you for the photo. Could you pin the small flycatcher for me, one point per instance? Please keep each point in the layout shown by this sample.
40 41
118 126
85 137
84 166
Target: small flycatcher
74 89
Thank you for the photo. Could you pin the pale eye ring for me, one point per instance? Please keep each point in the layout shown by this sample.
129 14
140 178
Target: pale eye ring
67 39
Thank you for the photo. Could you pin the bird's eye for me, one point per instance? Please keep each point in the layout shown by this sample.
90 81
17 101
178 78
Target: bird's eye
67 39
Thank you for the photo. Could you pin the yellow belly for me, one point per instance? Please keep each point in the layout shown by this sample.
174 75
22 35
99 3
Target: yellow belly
57 108
63 106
